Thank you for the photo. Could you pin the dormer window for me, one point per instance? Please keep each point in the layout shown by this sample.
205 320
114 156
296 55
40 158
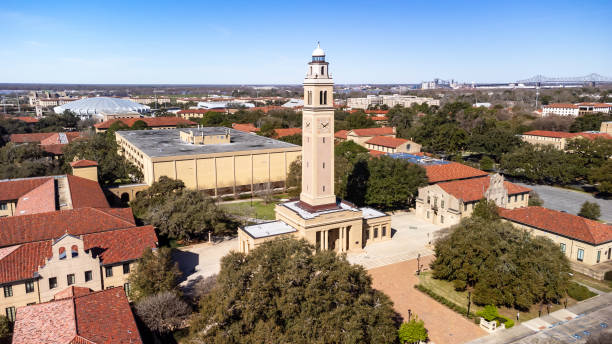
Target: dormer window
74 250
62 253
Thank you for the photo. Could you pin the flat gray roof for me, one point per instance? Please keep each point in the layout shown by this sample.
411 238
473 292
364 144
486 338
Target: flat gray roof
167 142
267 229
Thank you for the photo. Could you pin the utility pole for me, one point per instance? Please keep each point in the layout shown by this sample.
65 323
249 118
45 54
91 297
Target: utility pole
469 303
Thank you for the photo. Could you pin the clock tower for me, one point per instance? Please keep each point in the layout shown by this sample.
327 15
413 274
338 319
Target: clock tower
318 134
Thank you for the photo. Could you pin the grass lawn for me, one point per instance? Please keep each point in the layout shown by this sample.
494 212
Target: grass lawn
259 210
605 286
446 289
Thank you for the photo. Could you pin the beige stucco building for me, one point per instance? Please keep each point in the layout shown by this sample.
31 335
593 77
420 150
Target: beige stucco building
216 160
448 202
560 139
390 101
606 127
318 217
586 243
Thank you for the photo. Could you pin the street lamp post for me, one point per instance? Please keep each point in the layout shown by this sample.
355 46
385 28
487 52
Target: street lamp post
419 264
409 314
469 303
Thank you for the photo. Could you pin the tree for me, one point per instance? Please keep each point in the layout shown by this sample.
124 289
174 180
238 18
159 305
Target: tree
187 215
6 330
163 313
295 139
400 176
541 165
413 331
589 122
590 210
294 178
155 273
27 160
286 290
486 210
112 167
346 155
156 195
489 313
503 265
486 163
534 199
602 177
139 125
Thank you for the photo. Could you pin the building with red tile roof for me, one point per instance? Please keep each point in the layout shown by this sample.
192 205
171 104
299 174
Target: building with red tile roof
53 143
43 194
198 113
371 132
86 318
451 171
83 163
340 135
246 127
559 139
26 119
282 132
583 241
151 122
392 145
560 109
375 153
448 202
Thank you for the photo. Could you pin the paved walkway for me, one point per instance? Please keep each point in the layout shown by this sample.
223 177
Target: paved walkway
571 325
569 200
443 324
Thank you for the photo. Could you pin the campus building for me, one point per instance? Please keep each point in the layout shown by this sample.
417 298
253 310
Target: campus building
560 139
78 315
151 122
318 216
586 243
216 160
52 143
560 109
390 101
447 203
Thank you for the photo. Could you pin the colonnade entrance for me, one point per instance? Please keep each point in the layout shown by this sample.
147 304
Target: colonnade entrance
336 239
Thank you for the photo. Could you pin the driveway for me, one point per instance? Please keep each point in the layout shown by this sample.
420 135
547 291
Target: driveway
443 324
570 200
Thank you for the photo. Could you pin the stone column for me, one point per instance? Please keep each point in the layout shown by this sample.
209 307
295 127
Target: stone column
343 240
326 240
322 240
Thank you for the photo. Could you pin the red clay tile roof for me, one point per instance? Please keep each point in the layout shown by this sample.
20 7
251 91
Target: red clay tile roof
30 138
101 317
249 128
560 105
26 119
44 226
86 193
23 260
548 133
55 138
386 141
376 153
83 163
39 200
373 131
379 118
120 245
341 134
451 171
150 121
72 291
57 149
378 112
13 189
287 132
470 190
602 105
560 223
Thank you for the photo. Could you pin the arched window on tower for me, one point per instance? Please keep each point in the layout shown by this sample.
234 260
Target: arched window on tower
310 70
321 97
322 70
324 97
309 97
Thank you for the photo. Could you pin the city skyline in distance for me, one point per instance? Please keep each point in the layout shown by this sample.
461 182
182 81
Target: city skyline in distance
389 43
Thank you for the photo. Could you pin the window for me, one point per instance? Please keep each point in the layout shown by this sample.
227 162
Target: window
323 165
29 287
320 97
522 197
384 231
509 199
324 97
323 140
10 313
3 206
88 276
580 255
427 214
435 201
376 232
109 271
31 303
310 97
323 187
126 268
52 283
441 219
442 204
464 207
598 256
563 247
62 253
322 70
70 279
428 200
126 287
74 250
8 290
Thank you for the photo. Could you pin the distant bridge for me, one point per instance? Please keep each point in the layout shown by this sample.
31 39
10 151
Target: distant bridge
575 80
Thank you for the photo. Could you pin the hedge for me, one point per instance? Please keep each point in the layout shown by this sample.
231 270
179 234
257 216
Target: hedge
507 321
444 301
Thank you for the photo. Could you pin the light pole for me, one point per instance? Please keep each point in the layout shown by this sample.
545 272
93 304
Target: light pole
418 264
469 303
409 314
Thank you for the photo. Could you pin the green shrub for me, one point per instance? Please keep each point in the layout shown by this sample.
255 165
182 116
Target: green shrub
579 292
459 285
441 299
507 321
489 313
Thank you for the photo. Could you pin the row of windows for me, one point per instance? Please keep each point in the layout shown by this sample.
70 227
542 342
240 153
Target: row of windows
3 206
322 97
8 289
441 217
580 253
70 279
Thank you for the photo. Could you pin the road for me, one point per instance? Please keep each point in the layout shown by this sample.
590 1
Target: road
569 200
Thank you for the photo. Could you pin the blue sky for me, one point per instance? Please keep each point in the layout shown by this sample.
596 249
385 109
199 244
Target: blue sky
248 42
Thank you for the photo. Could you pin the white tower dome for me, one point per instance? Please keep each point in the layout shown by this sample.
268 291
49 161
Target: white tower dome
318 51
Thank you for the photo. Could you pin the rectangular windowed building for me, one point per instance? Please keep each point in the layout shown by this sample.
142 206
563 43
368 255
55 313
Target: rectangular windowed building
217 160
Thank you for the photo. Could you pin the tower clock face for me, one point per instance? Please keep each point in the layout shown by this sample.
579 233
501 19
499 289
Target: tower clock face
324 126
